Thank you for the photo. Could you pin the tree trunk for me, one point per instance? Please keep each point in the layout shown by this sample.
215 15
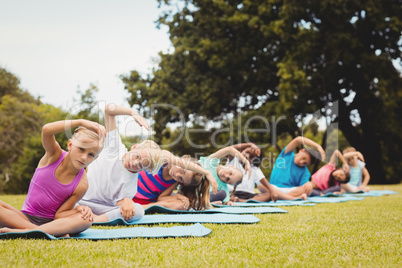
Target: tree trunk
367 143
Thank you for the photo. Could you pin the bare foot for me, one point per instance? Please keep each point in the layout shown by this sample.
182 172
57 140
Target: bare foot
66 235
217 203
10 230
304 196
5 230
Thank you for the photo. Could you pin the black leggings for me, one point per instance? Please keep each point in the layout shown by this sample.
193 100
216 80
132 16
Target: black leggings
318 192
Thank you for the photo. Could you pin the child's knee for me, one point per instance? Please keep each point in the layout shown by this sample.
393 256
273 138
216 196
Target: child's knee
77 217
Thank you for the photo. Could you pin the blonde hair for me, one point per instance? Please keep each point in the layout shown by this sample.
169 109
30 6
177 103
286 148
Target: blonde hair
99 140
198 191
154 154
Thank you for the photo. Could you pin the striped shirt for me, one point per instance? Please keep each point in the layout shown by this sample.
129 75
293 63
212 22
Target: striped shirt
150 186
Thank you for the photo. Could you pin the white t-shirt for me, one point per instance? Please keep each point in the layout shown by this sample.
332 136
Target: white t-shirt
247 184
109 181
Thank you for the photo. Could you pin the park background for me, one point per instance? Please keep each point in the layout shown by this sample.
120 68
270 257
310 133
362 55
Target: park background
327 70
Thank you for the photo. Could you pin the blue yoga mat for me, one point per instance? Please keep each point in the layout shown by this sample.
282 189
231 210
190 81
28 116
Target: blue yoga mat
371 193
320 199
225 210
185 218
196 230
279 203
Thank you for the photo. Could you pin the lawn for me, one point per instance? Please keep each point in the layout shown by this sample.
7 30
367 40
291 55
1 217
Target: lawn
365 233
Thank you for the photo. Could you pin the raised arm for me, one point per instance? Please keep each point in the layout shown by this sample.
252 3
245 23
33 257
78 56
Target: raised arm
113 110
351 154
337 154
49 131
232 151
241 146
304 141
168 157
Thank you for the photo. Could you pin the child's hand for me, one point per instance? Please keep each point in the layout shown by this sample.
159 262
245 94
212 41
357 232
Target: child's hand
274 196
230 203
96 127
255 150
127 209
86 212
184 199
140 120
247 168
212 181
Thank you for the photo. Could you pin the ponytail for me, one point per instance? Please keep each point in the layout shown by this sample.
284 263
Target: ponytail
198 192
234 190
198 196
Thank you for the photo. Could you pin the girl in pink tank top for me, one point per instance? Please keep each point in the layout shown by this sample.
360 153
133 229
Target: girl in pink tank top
327 179
58 183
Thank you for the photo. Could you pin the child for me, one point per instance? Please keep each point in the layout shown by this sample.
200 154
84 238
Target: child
113 176
58 183
245 190
185 173
290 169
357 171
328 179
224 174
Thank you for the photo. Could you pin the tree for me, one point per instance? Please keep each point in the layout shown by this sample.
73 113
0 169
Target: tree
22 117
287 58
19 115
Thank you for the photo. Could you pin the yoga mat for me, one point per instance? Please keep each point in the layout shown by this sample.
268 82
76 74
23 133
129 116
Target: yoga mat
134 232
371 193
255 203
320 199
185 218
226 210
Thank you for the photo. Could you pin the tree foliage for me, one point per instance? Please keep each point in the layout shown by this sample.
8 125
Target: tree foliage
22 117
287 58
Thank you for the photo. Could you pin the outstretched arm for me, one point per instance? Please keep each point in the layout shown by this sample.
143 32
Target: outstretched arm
113 110
166 195
168 157
232 151
304 141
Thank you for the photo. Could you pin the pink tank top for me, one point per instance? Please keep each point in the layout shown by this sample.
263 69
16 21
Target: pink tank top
46 194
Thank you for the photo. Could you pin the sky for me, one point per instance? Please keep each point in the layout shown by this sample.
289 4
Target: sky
54 47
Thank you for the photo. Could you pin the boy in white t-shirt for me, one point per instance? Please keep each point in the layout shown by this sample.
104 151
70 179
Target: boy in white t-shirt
245 190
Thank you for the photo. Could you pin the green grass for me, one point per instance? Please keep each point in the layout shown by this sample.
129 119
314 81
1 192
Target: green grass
365 233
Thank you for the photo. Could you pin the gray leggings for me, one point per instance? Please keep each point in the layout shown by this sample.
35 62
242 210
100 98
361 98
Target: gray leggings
219 196
112 212
317 192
